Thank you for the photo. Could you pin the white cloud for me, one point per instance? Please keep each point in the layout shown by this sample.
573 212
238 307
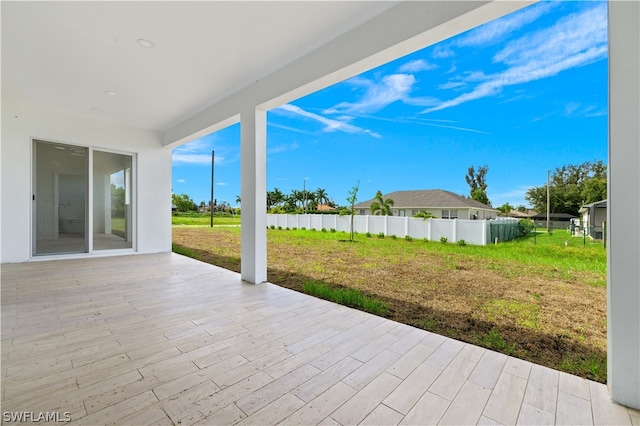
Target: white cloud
499 29
331 125
222 183
199 159
181 181
391 88
417 66
283 148
575 41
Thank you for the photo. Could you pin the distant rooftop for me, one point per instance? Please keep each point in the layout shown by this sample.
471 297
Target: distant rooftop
427 198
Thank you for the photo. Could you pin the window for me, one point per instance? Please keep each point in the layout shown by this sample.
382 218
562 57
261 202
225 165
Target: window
449 214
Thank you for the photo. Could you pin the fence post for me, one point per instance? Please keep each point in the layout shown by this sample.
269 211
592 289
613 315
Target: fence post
455 230
386 225
406 226
429 229
484 232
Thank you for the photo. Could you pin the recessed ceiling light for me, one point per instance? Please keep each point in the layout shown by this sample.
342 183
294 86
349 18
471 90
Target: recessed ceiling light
110 92
96 110
145 43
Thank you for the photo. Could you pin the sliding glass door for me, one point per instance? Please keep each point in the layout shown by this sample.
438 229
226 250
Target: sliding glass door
112 208
60 198
69 189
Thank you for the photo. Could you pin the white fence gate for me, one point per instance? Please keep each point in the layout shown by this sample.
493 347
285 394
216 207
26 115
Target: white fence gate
471 231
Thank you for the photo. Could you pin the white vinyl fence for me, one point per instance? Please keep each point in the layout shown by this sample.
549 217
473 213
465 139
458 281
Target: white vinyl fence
471 231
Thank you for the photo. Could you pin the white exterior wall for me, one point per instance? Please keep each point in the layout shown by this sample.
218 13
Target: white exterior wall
153 172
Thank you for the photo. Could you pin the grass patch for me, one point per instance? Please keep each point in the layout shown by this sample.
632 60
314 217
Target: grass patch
204 220
494 340
346 297
522 313
592 367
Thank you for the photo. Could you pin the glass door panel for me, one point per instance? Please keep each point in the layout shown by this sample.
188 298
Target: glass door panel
112 208
60 198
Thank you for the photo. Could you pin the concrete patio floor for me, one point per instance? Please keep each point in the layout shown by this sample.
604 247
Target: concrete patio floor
163 339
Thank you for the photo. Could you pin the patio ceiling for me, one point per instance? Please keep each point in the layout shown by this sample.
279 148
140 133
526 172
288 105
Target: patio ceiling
67 55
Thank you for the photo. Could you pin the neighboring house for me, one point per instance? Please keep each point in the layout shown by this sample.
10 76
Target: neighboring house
592 217
521 215
556 217
441 204
325 208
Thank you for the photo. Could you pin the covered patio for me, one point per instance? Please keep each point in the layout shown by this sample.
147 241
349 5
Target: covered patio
164 339
153 337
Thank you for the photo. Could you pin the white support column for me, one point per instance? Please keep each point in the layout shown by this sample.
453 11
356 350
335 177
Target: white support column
623 289
253 178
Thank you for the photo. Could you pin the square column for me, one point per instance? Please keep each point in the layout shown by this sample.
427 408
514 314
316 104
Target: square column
253 192
623 226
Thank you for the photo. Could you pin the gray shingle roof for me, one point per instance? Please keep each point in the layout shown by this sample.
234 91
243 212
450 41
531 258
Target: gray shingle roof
427 198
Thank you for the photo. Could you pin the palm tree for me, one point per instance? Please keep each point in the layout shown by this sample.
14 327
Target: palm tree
381 206
238 199
277 197
321 196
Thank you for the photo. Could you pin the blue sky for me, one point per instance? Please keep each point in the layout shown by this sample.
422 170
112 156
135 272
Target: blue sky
523 94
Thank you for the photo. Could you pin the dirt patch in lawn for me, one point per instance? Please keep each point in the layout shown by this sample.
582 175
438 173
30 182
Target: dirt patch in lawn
534 312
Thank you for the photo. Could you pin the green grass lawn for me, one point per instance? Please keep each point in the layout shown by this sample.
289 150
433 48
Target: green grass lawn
204 220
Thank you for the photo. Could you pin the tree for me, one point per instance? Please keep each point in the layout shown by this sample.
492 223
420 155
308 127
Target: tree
571 186
478 184
321 196
506 208
351 199
238 199
183 203
480 195
521 208
423 215
381 206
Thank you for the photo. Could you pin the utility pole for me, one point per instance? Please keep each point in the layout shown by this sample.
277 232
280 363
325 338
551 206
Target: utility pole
304 193
213 157
548 205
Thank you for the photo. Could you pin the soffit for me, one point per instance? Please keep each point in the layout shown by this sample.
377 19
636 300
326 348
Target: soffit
66 55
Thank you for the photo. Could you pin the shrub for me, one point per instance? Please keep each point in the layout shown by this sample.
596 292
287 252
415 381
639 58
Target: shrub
423 215
381 235
408 238
324 229
368 234
332 230
287 228
525 226
425 239
272 227
393 237
280 228
294 228
444 240
303 228
462 243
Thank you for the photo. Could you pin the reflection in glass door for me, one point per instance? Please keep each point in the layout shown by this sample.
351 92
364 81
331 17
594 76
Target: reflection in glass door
112 207
60 199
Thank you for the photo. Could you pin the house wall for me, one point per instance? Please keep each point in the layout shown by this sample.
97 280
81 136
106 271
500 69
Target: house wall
21 122
462 212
